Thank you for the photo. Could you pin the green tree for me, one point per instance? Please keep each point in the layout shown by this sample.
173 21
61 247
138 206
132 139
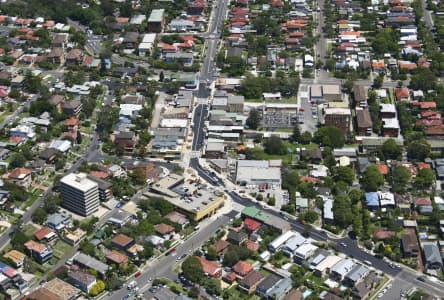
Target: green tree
418 150
39 216
372 179
343 215
211 253
138 176
296 135
17 160
192 269
274 146
391 150
330 136
423 79
306 138
254 119
194 292
425 178
400 178
345 174
212 286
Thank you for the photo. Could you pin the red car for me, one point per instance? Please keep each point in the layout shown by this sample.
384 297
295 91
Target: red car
138 273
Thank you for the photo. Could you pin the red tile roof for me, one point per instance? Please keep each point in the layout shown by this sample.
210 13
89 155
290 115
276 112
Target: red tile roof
42 233
209 267
99 174
423 165
19 173
221 245
251 224
383 234
401 93
242 268
383 169
253 246
423 201
117 257
122 240
425 104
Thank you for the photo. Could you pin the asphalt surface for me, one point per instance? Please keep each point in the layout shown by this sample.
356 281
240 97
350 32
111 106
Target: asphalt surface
164 266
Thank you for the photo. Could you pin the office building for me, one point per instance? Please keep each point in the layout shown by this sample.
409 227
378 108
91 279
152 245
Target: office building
80 194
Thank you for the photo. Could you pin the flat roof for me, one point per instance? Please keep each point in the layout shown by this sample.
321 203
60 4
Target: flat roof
79 181
156 15
64 290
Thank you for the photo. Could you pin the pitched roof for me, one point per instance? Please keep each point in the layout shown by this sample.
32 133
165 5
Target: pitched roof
209 267
42 233
242 268
252 278
19 173
423 201
34 246
42 294
253 246
383 169
117 257
121 240
163 228
251 224
221 245
383 234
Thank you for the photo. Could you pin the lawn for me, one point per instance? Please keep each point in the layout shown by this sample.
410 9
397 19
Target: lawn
32 198
234 293
61 249
29 229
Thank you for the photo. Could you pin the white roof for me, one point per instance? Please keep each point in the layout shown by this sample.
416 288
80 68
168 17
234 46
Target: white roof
337 111
149 38
79 181
387 108
271 95
386 199
174 123
61 145
328 263
328 209
305 249
390 123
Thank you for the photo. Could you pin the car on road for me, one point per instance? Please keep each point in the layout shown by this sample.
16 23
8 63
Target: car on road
181 257
421 278
367 262
389 286
137 274
343 244
380 295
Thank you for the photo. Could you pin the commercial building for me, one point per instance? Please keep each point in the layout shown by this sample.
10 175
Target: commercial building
80 195
189 199
156 20
259 172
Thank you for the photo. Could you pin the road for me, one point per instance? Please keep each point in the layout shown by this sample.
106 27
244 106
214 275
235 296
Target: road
164 266
19 110
427 15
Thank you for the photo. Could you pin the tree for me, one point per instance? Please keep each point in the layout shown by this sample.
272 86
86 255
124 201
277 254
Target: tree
17 160
161 76
254 119
372 179
306 138
138 176
296 135
274 146
400 178
391 149
211 253
418 150
330 136
345 174
425 178
423 79
341 210
194 292
192 269
212 286
39 216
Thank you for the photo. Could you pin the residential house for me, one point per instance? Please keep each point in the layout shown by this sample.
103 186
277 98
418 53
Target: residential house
21 177
57 101
237 238
432 256
266 285
56 56
126 139
72 108
164 229
242 268
250 282
45 234
363 121
88 262
58 221
210 268
122 242
156 20
338 117
356 275
74 57
409 244
363 289
40 252
117 258
16 257
221 246
130 40
82 280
